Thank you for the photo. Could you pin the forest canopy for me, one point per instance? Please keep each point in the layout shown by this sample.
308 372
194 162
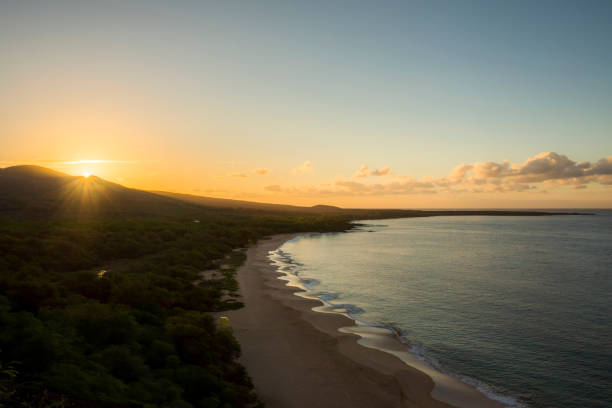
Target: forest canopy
106 311
103 301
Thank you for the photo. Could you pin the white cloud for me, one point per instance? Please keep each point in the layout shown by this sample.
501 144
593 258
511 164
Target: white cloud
383 171
304 168
364 171
261 171
548 169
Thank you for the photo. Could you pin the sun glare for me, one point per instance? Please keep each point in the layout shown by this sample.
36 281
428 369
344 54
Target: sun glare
86 174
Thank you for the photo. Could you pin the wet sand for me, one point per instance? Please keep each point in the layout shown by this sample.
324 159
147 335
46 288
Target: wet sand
299 357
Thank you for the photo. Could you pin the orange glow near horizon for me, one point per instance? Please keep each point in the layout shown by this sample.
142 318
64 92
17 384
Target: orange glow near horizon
371 187
304 105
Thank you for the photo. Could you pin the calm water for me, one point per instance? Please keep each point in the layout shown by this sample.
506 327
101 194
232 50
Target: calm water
520 306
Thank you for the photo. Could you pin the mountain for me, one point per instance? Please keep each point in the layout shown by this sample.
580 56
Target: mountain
35 191
39 192
247 205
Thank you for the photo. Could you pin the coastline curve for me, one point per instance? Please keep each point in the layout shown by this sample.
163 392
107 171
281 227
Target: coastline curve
447 387
297 357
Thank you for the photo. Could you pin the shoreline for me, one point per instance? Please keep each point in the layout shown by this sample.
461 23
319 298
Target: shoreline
300 353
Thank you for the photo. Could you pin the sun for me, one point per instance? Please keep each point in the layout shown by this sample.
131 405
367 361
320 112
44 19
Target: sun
86 174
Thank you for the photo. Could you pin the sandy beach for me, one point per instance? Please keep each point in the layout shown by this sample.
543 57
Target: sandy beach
299 357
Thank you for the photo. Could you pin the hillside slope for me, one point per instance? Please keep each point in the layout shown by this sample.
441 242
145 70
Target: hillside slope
34 191
247 205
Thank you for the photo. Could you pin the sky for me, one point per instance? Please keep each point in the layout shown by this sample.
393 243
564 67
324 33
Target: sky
408 104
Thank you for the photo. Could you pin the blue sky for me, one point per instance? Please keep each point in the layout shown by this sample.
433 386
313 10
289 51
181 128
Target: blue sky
418 86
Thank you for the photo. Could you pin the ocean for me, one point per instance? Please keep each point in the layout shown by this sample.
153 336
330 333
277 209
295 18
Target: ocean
520 307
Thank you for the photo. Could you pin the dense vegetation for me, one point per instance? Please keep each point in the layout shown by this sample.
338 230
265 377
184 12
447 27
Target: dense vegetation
102 298
140 334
